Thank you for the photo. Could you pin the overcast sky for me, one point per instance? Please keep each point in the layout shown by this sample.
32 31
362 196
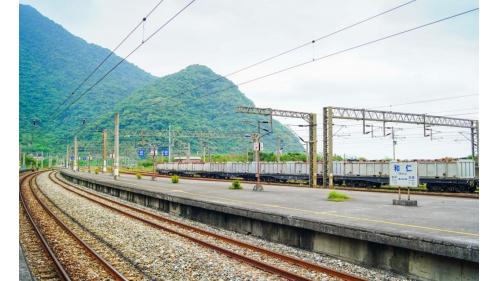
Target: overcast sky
438 61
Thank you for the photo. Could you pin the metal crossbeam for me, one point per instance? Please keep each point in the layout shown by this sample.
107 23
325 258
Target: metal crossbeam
401 117
184 134
330 113
274 112
310 118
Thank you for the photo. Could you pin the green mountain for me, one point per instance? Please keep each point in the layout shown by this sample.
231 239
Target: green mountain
53 62
195 109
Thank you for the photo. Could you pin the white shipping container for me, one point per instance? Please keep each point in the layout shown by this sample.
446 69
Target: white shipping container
466 169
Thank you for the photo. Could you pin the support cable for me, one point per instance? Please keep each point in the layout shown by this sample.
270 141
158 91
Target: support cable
128 55
109 55
311 42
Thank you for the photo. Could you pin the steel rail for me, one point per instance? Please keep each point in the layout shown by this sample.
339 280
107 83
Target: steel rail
59 268
107 266
282 257
253 262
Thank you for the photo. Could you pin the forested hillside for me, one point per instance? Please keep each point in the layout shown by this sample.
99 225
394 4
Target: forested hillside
53 62
187 103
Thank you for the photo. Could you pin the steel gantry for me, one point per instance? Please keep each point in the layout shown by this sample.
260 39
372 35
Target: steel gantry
310 118
388 117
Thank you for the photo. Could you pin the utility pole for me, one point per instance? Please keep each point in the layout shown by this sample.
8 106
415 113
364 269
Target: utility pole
247 153
89 157
204 151
104 150
116 160
169 144
313 154
330 148
278 148
75 155
256 149
310 118
327 147
393 144
154 163
42 161
67 157
308 162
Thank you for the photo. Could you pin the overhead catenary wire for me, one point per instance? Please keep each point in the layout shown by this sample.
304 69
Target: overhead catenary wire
335 53
469 113
356 47
128 55
246 82
300 46
425 101
109 55
338 52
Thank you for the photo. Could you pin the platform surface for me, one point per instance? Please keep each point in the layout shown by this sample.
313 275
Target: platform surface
24 272
441 219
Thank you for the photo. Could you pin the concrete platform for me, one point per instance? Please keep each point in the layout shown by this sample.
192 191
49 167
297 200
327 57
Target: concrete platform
24 272
368 229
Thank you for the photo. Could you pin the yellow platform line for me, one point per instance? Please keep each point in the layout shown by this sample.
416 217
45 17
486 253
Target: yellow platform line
328 213
331 213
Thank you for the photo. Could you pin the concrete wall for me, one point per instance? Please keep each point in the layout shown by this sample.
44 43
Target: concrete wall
416 264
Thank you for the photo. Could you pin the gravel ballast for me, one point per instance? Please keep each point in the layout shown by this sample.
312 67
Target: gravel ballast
157 253
328 261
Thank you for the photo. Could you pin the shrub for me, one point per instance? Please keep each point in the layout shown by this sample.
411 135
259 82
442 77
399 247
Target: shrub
235 185
175 179
337 197
138 176
97 170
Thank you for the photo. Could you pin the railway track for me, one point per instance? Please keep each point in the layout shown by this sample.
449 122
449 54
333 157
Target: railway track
209 239
71 257
34 244
362 189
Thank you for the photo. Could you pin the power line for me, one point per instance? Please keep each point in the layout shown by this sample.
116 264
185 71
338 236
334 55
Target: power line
425 101
469 113
339 52
124 58
109 55
298 47
357 46
317 39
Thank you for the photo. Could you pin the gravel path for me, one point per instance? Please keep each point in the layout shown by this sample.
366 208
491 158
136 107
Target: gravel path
160 255
368 273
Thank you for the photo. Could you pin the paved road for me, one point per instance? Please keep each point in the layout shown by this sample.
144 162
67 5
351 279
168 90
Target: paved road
437 218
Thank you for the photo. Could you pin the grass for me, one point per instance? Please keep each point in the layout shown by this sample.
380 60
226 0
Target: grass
138 176
337 197
175 179
235 184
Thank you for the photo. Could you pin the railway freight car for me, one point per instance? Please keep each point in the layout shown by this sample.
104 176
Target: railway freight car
446 176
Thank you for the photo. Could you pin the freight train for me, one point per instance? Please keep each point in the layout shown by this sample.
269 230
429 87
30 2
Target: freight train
437 175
